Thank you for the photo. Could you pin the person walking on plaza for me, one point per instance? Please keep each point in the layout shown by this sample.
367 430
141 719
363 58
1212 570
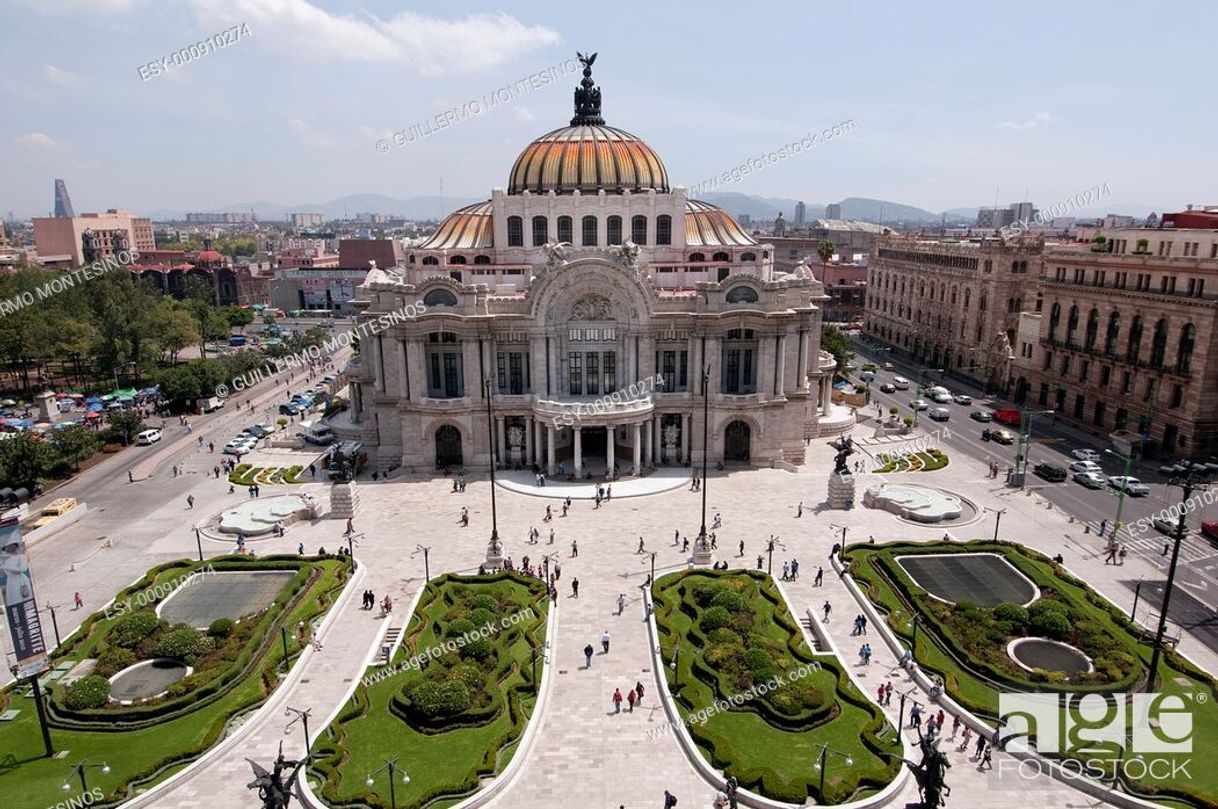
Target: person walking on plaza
820 577
1112 553
638 689
80 602
986 756
786 571
964 739
605 641
190 501
888 693
799 510
621 603
1103 527
827 608
980 745
617 700
464 516
588 656
630 698
915 717
1121 555
684 544
794 569
551 542
549 515
300 549
574 548
640 550
741 548
574 588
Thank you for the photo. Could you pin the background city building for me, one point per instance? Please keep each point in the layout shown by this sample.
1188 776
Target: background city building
306 220
91 236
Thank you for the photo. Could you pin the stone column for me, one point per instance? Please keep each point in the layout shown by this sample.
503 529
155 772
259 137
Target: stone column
685 442
416 362
805 348
826 393
554 387
782 365
610 433
400 354
551 466
378 365
500 424
647 441
657 449
638 447
579 451
766 370
528 440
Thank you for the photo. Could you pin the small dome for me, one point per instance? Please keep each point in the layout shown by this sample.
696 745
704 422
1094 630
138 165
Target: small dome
468 228
709 225
210 257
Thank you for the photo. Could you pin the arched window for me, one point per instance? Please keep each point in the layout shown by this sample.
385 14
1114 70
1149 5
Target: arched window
613 230
697 257
1134 350
482 259
588 225
1111 335
1072 325
748 256
430 261
457 260
638 229
1184 356
1093 329
742 294
982 302
541 231
440 297
515 231
564 229
664 229
721 257
1158 344
968 294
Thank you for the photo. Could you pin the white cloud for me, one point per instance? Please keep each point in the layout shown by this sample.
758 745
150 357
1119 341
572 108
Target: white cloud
1036 120
309 135
429 45
57 76
37 139
523 114
81 6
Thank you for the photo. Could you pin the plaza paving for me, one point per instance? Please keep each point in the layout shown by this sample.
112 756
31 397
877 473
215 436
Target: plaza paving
584 755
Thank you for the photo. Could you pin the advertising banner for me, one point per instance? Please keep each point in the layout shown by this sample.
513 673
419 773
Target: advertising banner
20 606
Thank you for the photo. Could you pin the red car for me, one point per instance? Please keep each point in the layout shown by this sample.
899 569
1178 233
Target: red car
1210 529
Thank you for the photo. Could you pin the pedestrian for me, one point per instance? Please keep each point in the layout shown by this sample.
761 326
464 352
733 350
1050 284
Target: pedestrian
862 624
1122 554
684 544
939 717
820 576
640 550
827 608
211 446
1112 553
879 695
551 542
955 724
312 471
617 700
549 515
888 693
760 561
190 501
257 490
609 490
786 570
670 800
964 739
300 549
630 698
605 641
80 602
741 548
915 716
1103 527
621 603
794 568
638 688
574 588
986 755
588 656
130 477
200 441
574 548
980 744
676 537
863 654
799 510
464 516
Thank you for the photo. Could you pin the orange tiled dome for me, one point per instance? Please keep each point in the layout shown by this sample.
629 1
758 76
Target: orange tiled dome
587 158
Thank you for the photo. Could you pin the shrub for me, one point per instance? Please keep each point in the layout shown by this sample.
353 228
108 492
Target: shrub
481 617
1052 623
1043 605
88 692
460 627
796 697
132 628
484 601
113 660
469 674
221 628
724 635
478 649
705 592
723 656
184 643
730 600
715 618
1012 613
434 700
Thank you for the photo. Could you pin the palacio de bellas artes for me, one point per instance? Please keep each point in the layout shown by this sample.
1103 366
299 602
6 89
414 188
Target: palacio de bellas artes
592 301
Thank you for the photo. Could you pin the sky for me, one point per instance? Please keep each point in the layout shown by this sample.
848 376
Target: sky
952 104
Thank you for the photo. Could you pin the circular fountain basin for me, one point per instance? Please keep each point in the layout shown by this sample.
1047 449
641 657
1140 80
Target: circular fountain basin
1049 655
916 503
147 679
258 516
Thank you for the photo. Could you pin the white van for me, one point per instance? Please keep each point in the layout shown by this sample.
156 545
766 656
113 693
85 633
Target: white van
315 432
900 383
148 437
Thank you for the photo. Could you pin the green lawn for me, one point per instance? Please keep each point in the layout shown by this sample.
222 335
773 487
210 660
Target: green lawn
768 741
147 755
446 754
975 680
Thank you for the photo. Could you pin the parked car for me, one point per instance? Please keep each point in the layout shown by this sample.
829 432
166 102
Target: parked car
1050 472
900 383
1086 466
259 430
240 446
939 414
981 415
888 366
1085 454
919 404
1088 478
1165 526
148 437
1130 485
1210 529
888 387
941 396
289 409
962 399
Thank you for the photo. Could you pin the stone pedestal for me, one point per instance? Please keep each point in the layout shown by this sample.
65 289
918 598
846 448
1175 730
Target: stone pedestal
47 407
703 555
343 500
841 490
494 557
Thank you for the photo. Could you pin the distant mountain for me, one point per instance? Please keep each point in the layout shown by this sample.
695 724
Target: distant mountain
428 206
967 214
875 210
759 208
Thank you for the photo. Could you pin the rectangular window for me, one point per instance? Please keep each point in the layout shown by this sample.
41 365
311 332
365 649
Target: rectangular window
452 375
436 379
1080 405
515 232
613 230
501 372
575 374
1098 418
1043 396
748 383
592 376
516 373
609 361
1105 375
1083 373
683 372
1122 419
1152 387
589 231
1177 395
731 371
1127 382
668 368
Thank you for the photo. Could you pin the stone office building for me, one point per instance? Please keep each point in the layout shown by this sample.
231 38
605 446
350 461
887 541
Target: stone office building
588 276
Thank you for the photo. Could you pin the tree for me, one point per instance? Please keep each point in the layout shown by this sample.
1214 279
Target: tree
24 460
238 318
834 340
75 443
825 251
127 422
197 297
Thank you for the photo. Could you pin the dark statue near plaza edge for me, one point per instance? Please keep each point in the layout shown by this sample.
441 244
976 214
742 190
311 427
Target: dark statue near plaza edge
929 773
274 791
845 448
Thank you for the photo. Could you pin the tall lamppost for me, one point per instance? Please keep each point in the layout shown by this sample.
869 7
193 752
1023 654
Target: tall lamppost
702 544
199 543
534 652
352 541
1025 433
494 549
54 623
394 769
426 564
1116 524
675 664
79 770
303 717
998 512
820 765
769 549
1188 475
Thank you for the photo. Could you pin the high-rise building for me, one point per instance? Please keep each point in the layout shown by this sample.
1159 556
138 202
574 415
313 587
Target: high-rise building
801 212
833 211
306 220
63 203
92 236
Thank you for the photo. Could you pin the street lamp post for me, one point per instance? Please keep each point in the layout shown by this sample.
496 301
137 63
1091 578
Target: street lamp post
770 545
1116 524
1137 593
998 512
199 543
1025 433
653 566
1189 476
54 623
901 717
426 564
79 770
493 546
303 717
352 540
533 652
820 765
702 544
675 665
283 635
394 769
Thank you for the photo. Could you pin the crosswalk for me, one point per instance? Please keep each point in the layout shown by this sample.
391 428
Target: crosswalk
1149 544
